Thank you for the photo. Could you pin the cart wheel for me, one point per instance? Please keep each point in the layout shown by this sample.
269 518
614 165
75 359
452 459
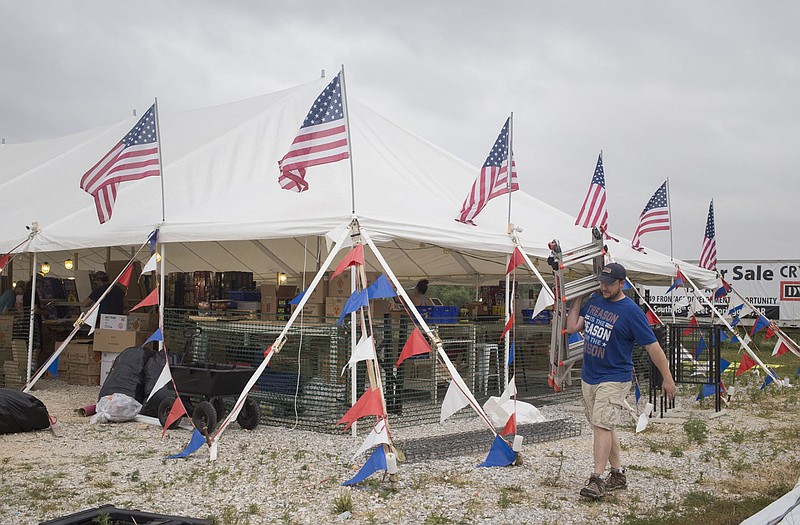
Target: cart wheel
219 405
249 415
163 412
204 418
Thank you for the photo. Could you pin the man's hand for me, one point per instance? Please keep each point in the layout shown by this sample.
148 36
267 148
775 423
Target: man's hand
669 388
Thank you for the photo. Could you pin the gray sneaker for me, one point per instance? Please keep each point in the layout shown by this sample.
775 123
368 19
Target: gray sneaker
616 480
595 488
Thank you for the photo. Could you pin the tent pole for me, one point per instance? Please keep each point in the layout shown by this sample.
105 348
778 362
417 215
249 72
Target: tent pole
349 144
34 274
160 162
162 292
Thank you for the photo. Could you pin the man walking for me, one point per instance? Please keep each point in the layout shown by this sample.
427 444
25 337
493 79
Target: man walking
611 323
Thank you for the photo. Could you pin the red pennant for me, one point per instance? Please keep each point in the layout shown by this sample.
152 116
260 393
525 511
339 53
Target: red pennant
745 365
509 325
369 404
356 256
516 260
769 333
692 326
782 349
415 345
176 412
3 262
511 426
125 278
652 318
150 300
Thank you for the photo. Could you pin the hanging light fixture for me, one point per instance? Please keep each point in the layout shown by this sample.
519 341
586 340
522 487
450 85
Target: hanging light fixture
158 257
45 268
68 264
281 278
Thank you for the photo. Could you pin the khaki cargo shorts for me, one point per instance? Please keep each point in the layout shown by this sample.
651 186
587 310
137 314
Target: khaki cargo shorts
605 403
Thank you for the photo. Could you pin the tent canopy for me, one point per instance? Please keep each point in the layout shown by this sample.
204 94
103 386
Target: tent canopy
224 209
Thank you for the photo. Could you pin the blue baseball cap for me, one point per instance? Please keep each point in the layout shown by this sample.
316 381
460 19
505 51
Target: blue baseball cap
611 273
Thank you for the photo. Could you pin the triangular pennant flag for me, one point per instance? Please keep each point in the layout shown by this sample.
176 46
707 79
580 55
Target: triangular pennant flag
365 349
723 365
53 368
516 260
376 436
652 318
197 441
163 378
746 339
707 390
511 353
500 455
511 426
678 282
627 285
638 393
682 302
574 338
723 336
376 462
767 380
746 364
761 323
692 326
150 300
780 347
298 297
157 336
175 413
125 278
697 306
153 240
543 301
354 257
91 319
381 288
509 392
736 320
415 345
723 288
152 264
769 333
454 400
369 404
509 325
357 300
3 262
701 346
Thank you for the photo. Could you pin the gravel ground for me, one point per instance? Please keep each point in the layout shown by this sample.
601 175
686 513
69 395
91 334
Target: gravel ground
276 475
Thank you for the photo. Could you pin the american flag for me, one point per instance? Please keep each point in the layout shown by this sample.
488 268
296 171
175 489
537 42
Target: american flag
134 157
708 254
654 217
493 179
593 212
322 139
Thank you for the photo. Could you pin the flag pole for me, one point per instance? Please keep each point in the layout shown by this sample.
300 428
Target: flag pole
508 298
669 211
349 143
509 146
160 161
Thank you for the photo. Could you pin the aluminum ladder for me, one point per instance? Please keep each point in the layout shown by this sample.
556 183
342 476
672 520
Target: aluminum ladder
563 355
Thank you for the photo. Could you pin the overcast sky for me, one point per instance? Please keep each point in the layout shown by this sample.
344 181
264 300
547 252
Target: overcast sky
705 93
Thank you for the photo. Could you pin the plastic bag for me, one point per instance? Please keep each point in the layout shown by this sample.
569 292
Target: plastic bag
115 408
21 412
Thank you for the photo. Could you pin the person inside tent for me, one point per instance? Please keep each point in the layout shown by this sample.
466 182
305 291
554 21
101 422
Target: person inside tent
113 303
8 301
419 297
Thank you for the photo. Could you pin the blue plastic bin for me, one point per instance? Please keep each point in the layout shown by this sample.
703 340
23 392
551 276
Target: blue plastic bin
439 314
244 295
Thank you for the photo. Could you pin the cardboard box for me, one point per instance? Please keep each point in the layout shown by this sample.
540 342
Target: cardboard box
79 351
113 322
136 290
286 292
116 341
269 299
83 379
81 368
340 285
320 292
142 322
334 306
312 311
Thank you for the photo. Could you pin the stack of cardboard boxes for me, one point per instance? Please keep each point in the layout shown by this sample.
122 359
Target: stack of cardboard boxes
117 333
14 369
6 328
79 363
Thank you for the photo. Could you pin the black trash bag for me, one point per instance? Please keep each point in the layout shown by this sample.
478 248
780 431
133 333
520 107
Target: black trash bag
21 412
127 374
152 371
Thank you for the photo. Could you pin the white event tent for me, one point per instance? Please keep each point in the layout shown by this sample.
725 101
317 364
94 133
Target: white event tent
225 211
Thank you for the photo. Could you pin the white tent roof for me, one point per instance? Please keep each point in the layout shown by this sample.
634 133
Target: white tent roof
225 211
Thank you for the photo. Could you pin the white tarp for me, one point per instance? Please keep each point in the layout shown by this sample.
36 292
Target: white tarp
220 184
784 511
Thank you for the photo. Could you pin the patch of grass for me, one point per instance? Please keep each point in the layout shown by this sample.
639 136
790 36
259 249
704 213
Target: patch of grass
343 502
696 430
232 516
555 479
510 495
437 518
456 479
676 452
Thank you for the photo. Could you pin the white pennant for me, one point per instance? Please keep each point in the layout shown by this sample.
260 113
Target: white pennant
778 344
696 305
509 392
364 350
683 302
378 435
91 320
336 233
454 400
644 418
151 265
163 378
543 301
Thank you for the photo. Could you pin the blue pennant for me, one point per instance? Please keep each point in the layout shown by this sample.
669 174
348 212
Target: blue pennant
500 455
53 368
299 297
638 393
735 321
381 288
627 285
376 462
701 345
197 441
723 365
511 354
767 380
354 302
707 390
157 336
153 239
574 338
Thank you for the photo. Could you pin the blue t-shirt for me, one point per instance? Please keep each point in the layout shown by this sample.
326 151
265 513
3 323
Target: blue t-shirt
610 331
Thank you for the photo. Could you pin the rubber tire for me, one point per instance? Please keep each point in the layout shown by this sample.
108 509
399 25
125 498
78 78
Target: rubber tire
163 412
250 414
219 405
204 418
